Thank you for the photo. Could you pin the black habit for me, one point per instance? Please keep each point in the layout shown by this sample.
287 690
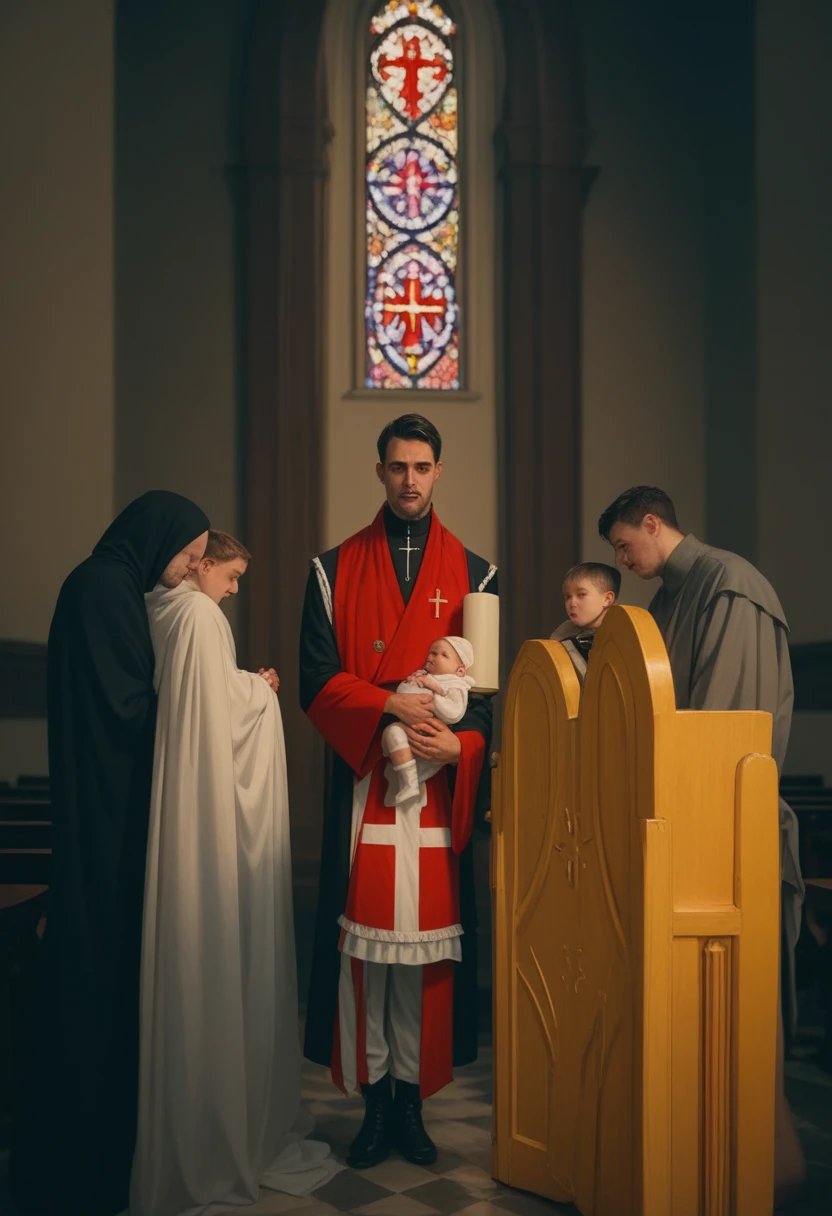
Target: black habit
73 1141
319 662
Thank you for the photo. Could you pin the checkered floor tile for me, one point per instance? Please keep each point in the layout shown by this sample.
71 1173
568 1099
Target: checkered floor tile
459 1121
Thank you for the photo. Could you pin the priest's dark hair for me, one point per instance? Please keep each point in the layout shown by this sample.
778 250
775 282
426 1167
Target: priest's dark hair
410 426
602 576
632 506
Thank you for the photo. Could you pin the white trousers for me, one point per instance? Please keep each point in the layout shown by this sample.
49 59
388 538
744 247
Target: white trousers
392 1011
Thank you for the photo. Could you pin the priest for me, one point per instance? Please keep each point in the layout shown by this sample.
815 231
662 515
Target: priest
727 641
73 1141
393 989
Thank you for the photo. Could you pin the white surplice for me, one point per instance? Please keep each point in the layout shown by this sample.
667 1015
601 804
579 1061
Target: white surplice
219 1102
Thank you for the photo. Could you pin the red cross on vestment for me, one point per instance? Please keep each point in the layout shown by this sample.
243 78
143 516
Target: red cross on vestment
411 60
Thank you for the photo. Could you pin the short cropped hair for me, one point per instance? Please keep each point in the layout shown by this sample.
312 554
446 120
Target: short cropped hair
410 426
224 548
605 578
632 506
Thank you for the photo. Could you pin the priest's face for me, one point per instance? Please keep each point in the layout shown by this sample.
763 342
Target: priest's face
219 580
408 475
190 557
638 547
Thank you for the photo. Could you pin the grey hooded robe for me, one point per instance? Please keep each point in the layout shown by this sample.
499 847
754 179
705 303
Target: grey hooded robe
727 640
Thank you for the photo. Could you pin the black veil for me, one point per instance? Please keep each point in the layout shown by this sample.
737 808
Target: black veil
151 531
74 1133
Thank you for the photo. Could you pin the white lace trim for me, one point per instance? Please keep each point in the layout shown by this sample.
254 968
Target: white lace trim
323 583
492 570
393 935
409 954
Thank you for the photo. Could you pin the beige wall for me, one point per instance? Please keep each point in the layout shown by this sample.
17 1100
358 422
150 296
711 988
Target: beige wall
56 314
794 50
643 407
56 297
466 496
176 351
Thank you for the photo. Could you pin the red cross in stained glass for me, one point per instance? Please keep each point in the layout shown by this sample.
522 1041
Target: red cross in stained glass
412 62
411 304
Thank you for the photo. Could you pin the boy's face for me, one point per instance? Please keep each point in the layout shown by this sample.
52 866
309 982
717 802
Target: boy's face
218 580
585 603
443 660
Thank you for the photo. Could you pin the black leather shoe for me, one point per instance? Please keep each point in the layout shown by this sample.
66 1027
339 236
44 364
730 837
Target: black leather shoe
373 1143
409 1135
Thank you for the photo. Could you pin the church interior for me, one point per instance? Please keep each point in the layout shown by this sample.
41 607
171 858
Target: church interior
636 231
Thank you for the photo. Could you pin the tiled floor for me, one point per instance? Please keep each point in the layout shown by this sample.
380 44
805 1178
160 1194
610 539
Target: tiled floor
458 1119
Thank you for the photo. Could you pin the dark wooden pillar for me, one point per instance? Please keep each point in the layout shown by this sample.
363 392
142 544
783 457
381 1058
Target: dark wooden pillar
284 181
544 182
723 37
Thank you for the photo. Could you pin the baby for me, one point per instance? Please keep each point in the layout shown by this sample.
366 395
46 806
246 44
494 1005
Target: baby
444 675
589 590
218 575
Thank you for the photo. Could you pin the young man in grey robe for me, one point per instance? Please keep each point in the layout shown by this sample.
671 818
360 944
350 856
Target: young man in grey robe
727 641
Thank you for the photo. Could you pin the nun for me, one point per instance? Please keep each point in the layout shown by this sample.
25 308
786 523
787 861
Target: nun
75 1129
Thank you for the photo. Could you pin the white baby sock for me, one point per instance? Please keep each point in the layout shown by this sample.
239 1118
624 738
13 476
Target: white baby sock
408 781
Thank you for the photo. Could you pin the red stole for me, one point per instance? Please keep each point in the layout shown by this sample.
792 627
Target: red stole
369 608
380 641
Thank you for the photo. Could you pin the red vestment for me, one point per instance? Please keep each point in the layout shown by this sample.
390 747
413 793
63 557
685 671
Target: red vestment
380 641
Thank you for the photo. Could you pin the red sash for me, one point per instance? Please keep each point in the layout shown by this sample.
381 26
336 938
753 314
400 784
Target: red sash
380 641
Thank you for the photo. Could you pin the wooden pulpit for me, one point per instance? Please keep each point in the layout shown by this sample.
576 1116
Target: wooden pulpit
636 893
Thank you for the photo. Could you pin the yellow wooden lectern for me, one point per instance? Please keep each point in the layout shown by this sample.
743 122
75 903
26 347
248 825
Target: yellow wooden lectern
636 894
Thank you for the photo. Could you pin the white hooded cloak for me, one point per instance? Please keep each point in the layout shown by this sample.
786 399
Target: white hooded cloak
219 1100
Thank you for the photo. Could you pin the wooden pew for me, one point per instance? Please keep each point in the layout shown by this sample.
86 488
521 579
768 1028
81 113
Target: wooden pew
25 833
22 907
636 896
25 857
812 803
819 903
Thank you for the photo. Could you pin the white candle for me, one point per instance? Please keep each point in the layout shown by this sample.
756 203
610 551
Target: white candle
481 626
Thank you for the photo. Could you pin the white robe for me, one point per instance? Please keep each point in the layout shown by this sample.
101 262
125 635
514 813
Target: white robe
219 1089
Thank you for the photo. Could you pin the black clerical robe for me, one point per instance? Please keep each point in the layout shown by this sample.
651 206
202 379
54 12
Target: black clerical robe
320 662
73 1139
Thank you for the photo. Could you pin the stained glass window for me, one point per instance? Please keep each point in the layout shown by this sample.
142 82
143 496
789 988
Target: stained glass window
412 199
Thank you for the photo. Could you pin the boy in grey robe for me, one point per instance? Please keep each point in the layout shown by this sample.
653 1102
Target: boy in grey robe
727 641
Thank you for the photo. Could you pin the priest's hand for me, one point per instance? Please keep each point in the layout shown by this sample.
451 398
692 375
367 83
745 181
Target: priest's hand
409 708
434 741
271 677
